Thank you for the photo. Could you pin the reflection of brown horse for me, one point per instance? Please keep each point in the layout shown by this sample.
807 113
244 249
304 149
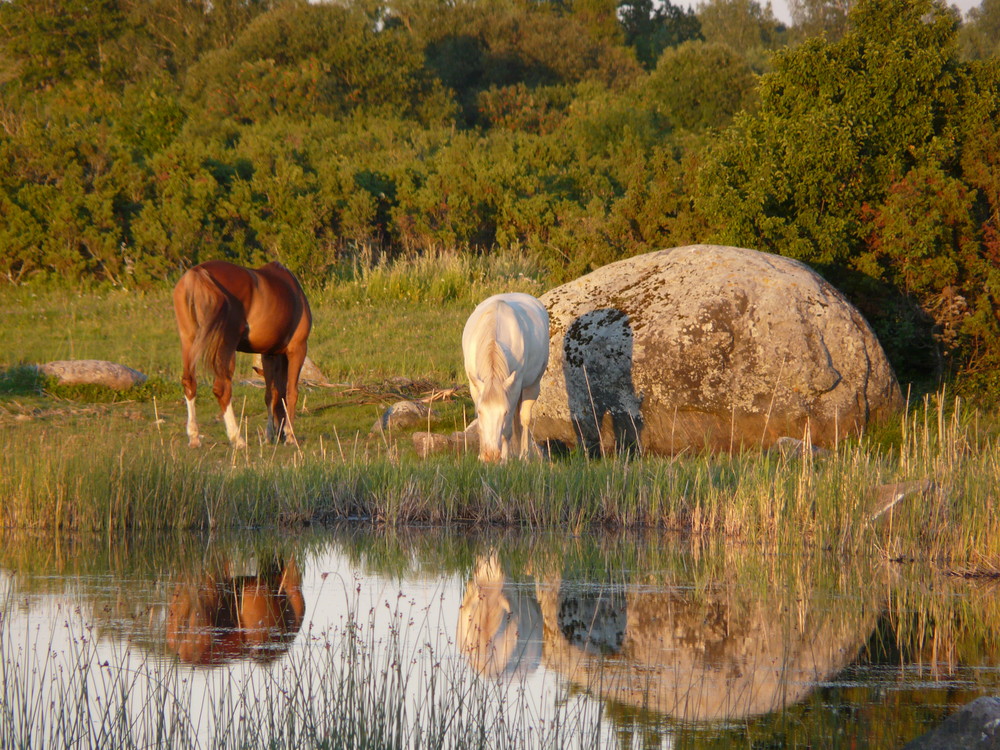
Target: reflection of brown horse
220 618
223 309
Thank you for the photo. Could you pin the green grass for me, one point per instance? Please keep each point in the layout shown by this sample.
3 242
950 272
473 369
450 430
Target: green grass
79 458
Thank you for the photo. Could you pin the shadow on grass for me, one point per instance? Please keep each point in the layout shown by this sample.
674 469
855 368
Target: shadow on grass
21 380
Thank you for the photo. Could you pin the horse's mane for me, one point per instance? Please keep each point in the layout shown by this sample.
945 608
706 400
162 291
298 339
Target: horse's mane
491 362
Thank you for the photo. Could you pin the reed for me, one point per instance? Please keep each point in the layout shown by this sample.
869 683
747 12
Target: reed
87 476
363 684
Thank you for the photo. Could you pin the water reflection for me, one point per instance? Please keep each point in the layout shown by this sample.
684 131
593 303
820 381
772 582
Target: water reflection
499 625
217 617
720 653
703 645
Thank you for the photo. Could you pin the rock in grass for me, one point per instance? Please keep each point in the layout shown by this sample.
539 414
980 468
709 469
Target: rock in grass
401 415
428 443
707 347
93 372
310 374
975 725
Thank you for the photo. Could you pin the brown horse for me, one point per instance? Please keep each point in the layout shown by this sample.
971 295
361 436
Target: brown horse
222 309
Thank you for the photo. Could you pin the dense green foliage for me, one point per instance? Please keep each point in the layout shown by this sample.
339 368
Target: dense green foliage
139 137
874 159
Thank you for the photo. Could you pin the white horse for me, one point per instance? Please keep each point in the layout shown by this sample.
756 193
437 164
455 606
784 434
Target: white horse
506 348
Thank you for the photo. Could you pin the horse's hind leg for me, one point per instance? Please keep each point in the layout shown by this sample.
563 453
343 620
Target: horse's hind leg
293 367
275 380
223 390
186 327
190 384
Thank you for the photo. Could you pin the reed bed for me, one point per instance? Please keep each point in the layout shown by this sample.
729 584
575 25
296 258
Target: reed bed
359 685
118 483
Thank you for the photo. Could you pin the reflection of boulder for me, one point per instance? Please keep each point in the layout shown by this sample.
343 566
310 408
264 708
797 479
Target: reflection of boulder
219 618
714 654
975 726
499 625
593 617
700 657
707 347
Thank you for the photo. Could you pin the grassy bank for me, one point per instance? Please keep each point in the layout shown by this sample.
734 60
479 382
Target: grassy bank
78 458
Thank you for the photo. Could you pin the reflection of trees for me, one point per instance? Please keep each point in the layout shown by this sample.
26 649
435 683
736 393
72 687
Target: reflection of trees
722 653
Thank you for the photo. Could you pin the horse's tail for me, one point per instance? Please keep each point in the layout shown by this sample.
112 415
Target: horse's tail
207 305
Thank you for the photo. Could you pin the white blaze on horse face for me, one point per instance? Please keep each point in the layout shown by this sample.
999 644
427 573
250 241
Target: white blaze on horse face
495 416
494 431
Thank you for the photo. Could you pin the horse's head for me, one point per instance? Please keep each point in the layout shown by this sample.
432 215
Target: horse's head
495 414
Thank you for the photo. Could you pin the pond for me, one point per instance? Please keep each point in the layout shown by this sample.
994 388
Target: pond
348 638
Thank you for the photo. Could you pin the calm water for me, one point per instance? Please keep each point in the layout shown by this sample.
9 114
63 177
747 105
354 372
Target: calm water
622 642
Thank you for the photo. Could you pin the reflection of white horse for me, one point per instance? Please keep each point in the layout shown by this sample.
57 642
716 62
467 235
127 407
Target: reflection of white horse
506 348
499 623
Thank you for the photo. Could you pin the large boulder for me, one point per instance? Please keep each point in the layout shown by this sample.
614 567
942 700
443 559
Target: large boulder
707 347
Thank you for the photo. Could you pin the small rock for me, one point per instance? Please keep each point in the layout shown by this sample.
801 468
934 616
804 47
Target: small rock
459 442
93 372
401 415
427 443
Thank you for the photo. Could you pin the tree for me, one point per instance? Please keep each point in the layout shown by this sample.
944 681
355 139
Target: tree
651 28
307 59
745 25
980 34
856 145
482 45
828 18
53 41
701 85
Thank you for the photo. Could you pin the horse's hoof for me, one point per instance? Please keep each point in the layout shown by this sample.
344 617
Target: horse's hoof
194 442
239 443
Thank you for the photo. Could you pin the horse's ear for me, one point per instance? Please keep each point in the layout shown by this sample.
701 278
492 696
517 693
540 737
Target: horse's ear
473 380
510 380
